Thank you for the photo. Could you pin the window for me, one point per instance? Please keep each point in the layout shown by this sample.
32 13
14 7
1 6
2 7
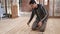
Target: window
45 2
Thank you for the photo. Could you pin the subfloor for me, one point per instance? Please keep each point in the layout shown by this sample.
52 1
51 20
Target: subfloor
19 26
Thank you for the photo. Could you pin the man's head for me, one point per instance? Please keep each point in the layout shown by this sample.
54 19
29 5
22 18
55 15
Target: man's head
33 4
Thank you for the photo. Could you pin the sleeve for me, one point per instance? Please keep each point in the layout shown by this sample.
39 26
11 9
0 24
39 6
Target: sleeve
32 15
45 12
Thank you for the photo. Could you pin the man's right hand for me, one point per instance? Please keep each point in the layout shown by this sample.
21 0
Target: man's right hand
28 23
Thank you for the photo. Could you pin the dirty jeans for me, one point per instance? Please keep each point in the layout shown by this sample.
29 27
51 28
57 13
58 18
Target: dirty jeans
35 25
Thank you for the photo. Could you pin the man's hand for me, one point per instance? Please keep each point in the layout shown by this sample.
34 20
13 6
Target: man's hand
40 24
28 23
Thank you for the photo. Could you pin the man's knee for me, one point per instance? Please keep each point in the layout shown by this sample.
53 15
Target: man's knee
34 27
42 29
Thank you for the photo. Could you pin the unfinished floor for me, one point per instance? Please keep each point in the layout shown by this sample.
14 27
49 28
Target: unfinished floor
19 26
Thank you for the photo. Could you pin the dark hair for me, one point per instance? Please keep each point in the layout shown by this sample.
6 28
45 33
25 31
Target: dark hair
32 2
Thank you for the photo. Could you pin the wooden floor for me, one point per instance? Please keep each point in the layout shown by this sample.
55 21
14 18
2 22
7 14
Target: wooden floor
19 26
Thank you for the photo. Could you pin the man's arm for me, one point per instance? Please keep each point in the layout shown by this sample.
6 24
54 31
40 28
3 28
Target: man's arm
45 12
32 15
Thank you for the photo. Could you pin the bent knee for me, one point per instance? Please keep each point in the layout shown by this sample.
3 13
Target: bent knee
33 28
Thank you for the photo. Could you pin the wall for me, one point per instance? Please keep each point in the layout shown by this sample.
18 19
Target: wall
25 5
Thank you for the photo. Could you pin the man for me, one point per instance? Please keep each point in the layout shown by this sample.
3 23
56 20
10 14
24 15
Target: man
42 15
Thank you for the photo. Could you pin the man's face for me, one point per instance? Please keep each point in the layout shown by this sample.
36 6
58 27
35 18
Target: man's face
33 5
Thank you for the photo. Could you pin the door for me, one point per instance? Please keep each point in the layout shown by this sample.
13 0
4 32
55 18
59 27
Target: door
54 8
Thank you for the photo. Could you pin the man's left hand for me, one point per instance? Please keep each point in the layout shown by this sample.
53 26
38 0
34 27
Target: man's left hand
40 24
